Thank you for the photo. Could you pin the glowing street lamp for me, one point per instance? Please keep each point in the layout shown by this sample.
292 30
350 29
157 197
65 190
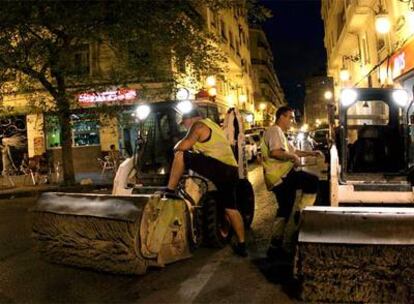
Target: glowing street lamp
230 100
212 92
382 23
249 118
304 128
211 81
328 95
344 74
242 98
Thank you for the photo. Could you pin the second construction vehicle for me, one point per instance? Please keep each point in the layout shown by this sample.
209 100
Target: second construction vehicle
360 248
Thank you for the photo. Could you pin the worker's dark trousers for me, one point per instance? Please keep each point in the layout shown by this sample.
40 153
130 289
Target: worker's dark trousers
286 194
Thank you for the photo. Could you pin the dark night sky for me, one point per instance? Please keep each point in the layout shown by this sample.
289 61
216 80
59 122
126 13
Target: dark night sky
295 34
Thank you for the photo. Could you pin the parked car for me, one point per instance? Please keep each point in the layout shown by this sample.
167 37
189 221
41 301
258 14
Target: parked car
304 142
321 141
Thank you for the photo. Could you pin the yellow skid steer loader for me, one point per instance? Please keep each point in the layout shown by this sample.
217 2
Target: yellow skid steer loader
360 248
135 227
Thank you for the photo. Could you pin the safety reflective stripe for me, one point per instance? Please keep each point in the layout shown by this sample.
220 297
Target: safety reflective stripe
274 169
217 146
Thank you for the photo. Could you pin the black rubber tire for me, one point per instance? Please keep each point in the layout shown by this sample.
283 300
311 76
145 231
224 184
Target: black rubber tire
217 230
245 201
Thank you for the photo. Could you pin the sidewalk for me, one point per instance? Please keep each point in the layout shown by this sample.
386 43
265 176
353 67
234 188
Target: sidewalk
24 190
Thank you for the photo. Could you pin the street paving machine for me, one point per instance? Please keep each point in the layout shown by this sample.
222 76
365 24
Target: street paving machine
136 227
361 247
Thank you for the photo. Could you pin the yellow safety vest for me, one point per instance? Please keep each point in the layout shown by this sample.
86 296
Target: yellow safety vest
274 169
217 146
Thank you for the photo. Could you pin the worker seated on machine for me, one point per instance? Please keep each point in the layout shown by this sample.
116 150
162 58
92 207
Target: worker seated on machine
206 150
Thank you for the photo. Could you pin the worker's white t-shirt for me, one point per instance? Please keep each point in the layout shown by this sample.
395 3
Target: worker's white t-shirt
275 139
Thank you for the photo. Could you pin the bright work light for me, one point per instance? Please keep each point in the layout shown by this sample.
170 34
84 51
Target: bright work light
184 106
348 97
182 94
142 111
400 97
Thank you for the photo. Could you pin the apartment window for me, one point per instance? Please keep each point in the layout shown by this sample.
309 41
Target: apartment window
223 30
365 49
242 37
138 56
181 67
81 60
231 38
341 22
214 18
237 47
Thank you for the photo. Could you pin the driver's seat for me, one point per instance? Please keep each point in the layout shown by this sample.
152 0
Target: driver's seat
369 151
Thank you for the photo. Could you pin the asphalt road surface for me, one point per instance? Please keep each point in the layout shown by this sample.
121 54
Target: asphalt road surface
211 276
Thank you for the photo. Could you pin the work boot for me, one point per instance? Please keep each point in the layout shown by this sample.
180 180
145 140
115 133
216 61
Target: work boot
240 249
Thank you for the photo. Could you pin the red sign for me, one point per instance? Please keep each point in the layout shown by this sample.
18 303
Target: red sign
202 94
402 61
123 94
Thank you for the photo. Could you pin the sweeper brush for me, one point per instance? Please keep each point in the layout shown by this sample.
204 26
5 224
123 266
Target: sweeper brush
111 233
353 255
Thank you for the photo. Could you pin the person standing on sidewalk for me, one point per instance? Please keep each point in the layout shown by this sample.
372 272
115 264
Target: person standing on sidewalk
279 162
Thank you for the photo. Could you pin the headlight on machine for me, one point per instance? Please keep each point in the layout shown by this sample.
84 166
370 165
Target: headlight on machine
184 106
142 111
400 97
348 97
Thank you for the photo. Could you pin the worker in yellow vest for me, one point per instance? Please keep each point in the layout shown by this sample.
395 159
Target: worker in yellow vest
206 150
279 162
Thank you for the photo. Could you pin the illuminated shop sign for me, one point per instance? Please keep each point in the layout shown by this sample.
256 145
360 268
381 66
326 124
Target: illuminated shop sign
122 95
403 61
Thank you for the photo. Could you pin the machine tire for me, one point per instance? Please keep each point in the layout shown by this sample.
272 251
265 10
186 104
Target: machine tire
217 230
245 201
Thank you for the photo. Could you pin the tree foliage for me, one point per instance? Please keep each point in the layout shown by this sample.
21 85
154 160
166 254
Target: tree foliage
38 39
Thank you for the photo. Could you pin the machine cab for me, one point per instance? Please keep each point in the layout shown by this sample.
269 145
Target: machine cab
160 131
372 133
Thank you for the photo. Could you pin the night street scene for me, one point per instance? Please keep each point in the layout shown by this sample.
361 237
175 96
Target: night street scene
207 151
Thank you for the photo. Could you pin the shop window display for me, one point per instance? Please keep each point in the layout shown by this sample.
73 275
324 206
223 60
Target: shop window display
85 130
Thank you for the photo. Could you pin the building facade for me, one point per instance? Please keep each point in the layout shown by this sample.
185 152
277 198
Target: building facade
94 133
369 43
268 93
234 87
316 100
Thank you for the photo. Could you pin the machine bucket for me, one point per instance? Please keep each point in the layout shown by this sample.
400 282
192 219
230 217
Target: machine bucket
119 234
356 254
357 225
